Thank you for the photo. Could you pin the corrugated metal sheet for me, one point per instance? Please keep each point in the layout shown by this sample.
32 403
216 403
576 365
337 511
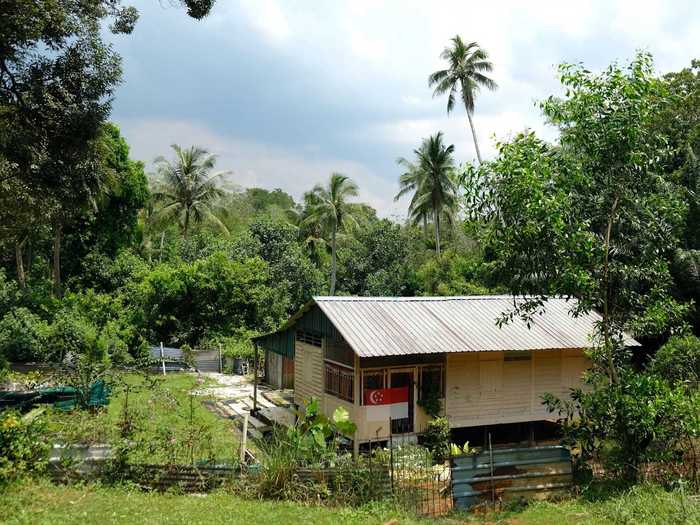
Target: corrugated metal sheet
516 473
207 361
168 353
386 326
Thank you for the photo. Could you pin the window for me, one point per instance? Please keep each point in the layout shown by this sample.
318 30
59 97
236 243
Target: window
339 352
308 338
431 382
340 382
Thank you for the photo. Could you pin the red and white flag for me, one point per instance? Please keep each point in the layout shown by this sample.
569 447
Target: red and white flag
385 403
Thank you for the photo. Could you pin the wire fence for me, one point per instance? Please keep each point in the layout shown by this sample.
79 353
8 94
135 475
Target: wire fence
418 483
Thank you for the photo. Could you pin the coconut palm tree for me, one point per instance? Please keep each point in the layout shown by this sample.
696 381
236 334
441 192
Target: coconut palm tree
310 233
436 195
464 76
329 207
187 189
411 180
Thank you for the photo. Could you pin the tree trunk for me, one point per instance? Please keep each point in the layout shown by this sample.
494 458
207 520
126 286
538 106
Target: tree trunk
437 233
57 237
28 264
160 248
476 142
333 259
19 257
607 339
187 223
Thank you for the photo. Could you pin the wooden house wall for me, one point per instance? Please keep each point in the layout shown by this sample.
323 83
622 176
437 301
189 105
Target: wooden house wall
484 388
308 372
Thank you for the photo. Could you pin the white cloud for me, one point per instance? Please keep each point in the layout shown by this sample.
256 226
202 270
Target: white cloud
255 164
268 17
352 77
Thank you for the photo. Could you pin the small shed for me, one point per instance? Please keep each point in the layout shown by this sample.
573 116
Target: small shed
386 358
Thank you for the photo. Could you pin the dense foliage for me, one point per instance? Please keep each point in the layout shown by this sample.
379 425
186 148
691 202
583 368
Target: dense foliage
23 445
98 260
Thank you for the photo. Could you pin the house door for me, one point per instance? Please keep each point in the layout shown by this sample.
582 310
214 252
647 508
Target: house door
402 413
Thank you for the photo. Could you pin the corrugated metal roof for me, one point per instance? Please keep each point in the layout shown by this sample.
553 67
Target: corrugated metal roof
387 326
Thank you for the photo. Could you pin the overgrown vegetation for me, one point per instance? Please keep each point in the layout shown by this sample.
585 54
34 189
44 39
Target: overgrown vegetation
150 419
44 503
23 445
99 260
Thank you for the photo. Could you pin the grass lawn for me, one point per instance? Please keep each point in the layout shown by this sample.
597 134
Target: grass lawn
42 503
39 502
167 423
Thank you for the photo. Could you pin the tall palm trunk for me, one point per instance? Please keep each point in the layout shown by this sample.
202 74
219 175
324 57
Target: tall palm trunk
333 258
437 232
187 223
160 247
57 238
476 142
19 257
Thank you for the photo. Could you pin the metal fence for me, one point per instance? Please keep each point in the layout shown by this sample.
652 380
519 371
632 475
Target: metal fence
418 483
170 359
208 361
497 475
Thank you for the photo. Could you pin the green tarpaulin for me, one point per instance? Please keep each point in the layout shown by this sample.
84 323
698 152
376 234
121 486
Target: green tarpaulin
62 397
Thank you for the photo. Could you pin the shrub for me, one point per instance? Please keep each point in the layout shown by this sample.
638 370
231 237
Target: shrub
640 418
22 336
678 360
436 438
9 293
72 335
186 303
238 345
312 442
23 450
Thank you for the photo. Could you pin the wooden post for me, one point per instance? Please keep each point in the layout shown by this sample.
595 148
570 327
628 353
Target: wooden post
162 357
221 363
357 392
255 380
391 456
244 439
493 488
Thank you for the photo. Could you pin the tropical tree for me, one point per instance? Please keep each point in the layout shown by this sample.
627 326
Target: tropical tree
411 180
590 217
433 176
329 207
187 189
464 76
309 231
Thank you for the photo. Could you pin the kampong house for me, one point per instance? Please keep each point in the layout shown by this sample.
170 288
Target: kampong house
386 358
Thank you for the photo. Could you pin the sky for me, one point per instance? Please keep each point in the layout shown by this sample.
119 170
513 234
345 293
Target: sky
287 92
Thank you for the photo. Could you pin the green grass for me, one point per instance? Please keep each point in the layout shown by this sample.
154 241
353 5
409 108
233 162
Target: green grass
39 502
643 504
168 424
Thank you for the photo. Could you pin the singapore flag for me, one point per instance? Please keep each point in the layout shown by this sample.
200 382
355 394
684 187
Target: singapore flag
384 403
